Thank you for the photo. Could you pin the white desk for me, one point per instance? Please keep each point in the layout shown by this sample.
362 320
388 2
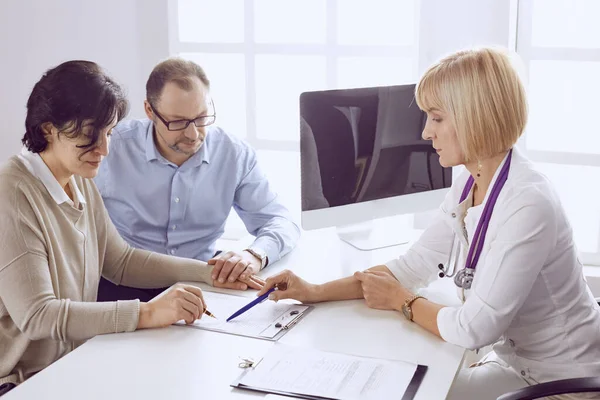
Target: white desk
182 362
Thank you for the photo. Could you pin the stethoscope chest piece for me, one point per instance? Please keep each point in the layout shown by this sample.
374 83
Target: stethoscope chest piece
464 278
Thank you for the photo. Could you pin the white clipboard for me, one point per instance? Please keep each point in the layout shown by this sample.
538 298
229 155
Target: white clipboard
309 373
268 320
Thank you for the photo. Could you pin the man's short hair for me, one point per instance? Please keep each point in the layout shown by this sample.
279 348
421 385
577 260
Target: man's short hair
176 70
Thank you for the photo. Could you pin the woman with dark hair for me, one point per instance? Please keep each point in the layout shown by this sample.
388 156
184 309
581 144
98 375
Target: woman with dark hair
57 239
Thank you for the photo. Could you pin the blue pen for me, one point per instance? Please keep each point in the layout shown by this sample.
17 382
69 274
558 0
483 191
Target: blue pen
254 302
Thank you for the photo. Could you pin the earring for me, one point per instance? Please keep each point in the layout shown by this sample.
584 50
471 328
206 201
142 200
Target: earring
479 168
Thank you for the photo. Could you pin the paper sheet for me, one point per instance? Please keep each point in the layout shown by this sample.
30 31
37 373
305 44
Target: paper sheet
330 375
259 321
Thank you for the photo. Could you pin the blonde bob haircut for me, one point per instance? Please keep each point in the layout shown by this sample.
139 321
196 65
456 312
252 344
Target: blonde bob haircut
483 96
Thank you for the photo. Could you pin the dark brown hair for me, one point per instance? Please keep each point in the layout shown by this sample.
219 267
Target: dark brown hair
69 96
175 70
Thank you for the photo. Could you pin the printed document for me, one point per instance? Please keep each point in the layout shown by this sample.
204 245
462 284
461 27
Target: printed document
287 369
265 320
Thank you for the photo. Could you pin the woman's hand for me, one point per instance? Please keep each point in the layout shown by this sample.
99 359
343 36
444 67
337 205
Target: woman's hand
179 302
381 290
289 286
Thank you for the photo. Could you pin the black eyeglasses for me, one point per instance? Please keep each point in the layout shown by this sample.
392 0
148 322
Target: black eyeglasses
182 124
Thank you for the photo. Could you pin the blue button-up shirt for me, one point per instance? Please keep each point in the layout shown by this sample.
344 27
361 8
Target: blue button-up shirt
182 211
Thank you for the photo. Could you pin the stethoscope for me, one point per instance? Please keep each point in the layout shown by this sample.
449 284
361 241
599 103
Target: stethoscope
464 278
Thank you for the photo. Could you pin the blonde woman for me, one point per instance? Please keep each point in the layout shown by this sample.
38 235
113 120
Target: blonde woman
517 272
56 238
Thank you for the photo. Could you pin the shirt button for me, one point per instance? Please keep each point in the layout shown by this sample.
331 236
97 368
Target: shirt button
172 251
174 227
453 215
176 199
522 372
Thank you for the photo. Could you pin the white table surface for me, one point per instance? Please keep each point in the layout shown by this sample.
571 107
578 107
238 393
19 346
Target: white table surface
183 362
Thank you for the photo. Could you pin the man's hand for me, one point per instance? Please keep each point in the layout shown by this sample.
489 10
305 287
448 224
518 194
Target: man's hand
381 290
232 266
252 282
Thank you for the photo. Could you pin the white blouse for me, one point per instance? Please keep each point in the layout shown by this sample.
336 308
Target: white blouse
529 295
38 168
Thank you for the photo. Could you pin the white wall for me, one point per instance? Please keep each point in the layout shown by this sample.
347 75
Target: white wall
448 26
127 37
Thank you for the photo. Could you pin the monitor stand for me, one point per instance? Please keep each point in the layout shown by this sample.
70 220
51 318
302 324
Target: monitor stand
379 233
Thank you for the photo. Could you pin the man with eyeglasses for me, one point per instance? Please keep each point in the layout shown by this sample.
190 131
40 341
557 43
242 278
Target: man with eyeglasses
170 181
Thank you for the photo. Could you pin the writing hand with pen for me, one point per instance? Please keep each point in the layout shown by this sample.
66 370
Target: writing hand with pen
185 302
179 302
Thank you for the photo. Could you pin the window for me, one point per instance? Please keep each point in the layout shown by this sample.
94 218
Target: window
559 40
261 54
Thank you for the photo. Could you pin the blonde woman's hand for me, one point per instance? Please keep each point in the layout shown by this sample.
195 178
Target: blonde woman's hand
289 286
381 290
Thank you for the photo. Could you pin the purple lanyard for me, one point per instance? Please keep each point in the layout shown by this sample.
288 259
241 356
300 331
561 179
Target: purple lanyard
486 216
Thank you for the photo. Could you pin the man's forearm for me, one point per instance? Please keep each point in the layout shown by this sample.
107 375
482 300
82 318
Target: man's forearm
278 237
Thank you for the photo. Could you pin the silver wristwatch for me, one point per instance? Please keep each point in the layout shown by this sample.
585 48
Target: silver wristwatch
260 254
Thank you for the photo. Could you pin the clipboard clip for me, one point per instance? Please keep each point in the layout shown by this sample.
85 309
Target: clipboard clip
290 324
295 314
247 362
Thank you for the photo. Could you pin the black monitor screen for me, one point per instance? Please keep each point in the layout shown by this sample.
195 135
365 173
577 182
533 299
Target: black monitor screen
364 144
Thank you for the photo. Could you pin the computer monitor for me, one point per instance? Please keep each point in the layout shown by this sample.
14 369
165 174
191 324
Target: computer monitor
362 159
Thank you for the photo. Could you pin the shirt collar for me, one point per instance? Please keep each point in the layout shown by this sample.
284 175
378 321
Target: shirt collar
152 153
38 168
202 155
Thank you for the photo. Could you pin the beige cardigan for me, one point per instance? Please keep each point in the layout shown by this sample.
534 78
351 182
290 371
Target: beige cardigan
51 259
